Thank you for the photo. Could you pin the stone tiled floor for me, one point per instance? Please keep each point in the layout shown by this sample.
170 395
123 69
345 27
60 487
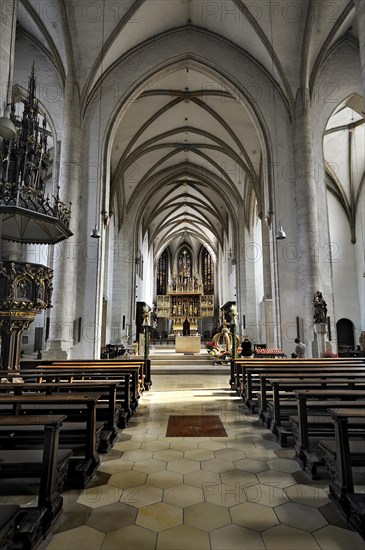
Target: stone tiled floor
240 491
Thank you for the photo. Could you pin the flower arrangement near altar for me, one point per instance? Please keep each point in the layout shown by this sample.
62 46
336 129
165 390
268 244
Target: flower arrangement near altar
213 349
328 354
269 351
211 345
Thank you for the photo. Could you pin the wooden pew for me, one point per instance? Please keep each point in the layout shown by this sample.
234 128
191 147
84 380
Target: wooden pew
284 383
142 378
283 396
340 457
289 365
127 391
82 466
312 422
112 371
110 415
49 464
240 365
9 518
249 398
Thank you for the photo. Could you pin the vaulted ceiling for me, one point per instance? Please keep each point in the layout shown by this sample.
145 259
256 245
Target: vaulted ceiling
186 148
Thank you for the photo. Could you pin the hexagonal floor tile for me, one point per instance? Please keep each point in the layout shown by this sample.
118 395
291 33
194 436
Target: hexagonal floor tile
161 430
143 495
74 515
164 479
184 465
225 494
259 454
130 537
168 454
307 494
159 517
267 495
183 495
112 517
248 438
283 465
250 465
233 537
126 480
283 537
253 516
207 516
333 515
199 454
277 479
201 479
138 454
336 538
238 476
95 497
300 516
116 466
150 466
135 429
266 444
170 439
239 445
112 455
82 538
286 453
230 454
211 445
127 446
154 445
183 445
217 465
145 437
183 537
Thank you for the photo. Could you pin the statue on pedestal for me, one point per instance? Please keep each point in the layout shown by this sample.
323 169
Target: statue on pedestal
320 308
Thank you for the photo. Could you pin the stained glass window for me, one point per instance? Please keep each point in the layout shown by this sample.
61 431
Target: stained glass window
208 273
162 274
185 268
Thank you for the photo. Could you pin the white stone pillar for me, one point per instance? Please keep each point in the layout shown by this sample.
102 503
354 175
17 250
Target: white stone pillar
65 256
306 213
8 10
122 322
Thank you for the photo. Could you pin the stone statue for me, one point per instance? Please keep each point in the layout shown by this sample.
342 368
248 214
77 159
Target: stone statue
320 308
362 341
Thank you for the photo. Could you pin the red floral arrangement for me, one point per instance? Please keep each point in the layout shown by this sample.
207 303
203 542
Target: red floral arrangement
269 351
328 354
210 346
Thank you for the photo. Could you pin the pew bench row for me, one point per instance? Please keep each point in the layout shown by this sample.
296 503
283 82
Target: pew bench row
307 407
85 406
24 527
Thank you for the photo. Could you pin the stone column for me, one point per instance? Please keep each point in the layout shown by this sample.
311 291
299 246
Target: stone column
65 256
266 305
360 16
306 212
8 10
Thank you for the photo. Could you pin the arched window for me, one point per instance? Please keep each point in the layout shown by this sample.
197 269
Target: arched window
162 274
208 272
184 266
